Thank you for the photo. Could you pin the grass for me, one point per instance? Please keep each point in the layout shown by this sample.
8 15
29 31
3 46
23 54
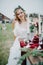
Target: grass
6 41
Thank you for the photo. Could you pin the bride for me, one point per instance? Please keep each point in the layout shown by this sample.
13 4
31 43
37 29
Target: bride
21 29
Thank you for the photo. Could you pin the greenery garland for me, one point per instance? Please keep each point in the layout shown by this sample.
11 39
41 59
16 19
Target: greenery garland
35 52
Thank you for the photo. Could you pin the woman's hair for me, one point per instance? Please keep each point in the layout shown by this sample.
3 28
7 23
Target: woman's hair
15 11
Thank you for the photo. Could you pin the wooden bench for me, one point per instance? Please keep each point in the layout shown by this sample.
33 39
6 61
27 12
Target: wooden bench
35 60
32 60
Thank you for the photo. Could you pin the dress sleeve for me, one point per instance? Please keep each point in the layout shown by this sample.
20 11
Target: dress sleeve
15 31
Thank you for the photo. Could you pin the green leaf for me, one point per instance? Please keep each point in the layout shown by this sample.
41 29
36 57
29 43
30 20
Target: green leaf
34 52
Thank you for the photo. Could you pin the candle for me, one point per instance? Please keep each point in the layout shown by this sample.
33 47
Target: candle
39 25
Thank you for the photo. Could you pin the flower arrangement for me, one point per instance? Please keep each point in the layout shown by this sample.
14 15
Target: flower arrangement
32 50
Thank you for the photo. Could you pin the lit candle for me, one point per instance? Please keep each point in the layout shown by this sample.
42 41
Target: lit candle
39 25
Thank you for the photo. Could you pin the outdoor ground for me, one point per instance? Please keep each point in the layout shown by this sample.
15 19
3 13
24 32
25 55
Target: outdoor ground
6 41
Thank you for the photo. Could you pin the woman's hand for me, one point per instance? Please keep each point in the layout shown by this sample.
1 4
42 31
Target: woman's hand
22 42
13 22
20 39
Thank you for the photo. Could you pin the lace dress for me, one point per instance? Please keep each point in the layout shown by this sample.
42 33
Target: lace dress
20 31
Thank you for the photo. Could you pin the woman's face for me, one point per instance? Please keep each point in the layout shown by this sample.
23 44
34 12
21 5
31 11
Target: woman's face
20 14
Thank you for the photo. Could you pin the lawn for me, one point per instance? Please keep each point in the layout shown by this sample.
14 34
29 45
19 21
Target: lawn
6 41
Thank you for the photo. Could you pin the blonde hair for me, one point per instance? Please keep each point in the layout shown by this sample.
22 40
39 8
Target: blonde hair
15 11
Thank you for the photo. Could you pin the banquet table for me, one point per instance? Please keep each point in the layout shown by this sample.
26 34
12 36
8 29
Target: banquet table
33 44
31 59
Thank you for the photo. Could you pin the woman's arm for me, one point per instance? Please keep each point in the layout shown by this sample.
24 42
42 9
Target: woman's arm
13 26
13 23
14 37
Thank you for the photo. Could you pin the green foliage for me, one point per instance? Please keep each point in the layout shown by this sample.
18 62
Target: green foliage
6 40
34 53
31 28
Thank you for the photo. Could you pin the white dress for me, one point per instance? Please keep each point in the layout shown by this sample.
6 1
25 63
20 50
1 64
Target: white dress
20 31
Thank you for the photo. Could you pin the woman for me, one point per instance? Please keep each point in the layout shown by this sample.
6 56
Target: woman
21 31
